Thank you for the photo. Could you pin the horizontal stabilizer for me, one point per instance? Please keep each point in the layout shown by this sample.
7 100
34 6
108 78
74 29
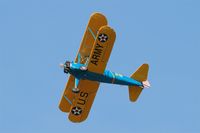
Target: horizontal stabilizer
134 92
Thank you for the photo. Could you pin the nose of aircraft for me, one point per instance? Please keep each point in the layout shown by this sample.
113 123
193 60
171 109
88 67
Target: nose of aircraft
66 66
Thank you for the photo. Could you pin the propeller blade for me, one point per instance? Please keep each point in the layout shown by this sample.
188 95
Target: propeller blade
61 65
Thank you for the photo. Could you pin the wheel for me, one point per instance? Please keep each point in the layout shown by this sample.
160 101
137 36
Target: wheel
75 90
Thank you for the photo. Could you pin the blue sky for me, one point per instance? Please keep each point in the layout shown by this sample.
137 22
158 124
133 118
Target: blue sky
37 35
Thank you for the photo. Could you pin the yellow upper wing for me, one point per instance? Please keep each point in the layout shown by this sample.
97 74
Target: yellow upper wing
101 50
96 21
66 100
83 100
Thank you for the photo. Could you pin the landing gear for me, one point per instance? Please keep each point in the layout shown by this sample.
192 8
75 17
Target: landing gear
75 90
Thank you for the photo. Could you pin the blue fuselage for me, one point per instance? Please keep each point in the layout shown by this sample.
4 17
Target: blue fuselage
106 77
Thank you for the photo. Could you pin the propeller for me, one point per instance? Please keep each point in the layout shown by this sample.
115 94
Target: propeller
61 65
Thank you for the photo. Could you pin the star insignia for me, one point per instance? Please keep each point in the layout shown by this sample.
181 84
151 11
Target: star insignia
103 37
76 110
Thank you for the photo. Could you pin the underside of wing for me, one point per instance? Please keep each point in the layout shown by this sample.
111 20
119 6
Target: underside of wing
83 100
101 49
96 21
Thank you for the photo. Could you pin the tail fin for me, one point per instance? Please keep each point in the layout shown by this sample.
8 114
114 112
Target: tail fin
140 75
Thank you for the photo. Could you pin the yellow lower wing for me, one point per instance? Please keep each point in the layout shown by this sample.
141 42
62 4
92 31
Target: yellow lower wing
101 49
83 100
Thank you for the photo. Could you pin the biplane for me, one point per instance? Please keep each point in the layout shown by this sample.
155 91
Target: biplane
88 71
